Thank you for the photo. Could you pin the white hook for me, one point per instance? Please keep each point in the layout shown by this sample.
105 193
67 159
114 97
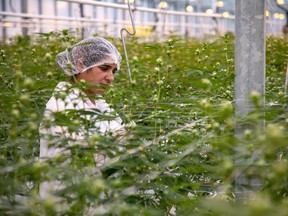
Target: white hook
123 40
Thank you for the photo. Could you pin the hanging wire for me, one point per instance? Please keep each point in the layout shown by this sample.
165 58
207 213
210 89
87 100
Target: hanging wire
123 39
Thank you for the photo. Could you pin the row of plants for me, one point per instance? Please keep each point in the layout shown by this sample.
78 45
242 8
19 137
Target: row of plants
182 157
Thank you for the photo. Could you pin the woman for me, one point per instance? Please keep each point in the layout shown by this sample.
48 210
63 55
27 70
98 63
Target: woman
77 110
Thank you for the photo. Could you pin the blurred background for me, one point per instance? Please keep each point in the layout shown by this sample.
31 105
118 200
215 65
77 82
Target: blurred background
153 18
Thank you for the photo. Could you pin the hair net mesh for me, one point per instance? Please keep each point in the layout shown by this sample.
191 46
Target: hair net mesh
88 53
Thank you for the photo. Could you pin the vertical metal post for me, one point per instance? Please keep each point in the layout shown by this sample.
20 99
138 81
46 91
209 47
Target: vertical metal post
186 27
24 9
81 6
55 14
40 12
115 18
249 52
3 27
249 74
186 20
199 6
199 31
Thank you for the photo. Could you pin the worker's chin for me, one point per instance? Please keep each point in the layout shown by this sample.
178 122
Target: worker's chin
99 91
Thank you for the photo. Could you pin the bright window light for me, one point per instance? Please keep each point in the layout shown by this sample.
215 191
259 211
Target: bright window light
225 14
280 2
281 16
219 4
7 24
189 8
276 15
209 11
163 5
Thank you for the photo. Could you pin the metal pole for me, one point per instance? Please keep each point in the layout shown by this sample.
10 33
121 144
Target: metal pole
24 9
40 12
55 14
4 33
249 76
115 18
81 6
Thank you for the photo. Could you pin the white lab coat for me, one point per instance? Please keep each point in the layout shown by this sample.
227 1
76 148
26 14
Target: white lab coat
64 99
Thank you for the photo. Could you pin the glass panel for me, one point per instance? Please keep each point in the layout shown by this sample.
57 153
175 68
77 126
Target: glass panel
75 10
33 6
62 8
13 6
48 7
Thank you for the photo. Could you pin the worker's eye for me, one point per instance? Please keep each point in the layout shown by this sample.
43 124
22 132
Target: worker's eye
104 68
115 70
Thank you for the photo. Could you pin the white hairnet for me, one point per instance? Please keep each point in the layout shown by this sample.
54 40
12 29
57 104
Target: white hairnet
88 53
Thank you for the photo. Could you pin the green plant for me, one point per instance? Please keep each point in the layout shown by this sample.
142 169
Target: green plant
181 153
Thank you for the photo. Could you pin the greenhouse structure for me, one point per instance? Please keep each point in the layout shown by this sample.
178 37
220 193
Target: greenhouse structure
192 18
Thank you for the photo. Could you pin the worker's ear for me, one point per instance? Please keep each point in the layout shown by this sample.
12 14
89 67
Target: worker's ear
79 65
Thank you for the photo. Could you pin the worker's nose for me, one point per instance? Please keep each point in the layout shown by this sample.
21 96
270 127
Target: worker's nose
110 77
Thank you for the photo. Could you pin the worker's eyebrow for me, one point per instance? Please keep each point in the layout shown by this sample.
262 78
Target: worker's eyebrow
107 65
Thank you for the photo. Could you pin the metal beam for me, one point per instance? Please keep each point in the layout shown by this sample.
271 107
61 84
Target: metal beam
24 9
250 58
3 28
40 12
149 10
249 52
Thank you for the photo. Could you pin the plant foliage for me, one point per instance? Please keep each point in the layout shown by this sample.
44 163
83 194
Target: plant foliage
180 158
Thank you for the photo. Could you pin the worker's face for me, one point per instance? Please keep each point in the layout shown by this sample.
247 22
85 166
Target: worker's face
99 77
